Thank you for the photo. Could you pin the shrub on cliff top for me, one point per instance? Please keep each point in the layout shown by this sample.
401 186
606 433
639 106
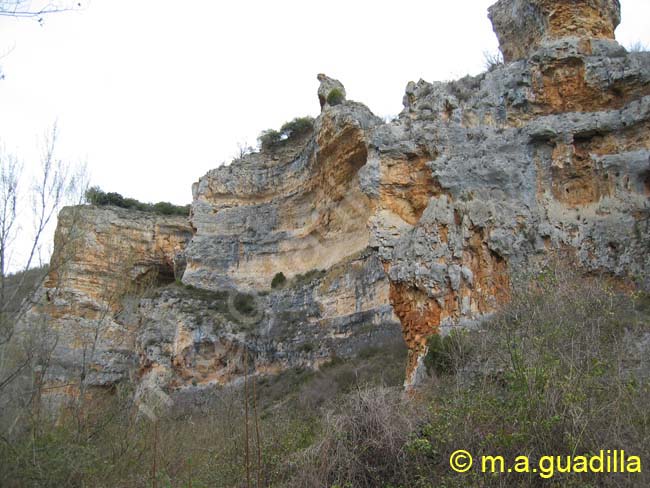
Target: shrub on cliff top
335 97
269 138
166 208
297 127
95 196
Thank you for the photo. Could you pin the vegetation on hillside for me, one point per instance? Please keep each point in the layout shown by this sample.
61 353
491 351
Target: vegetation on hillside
50 185
560 371
557 372
95 196
20 285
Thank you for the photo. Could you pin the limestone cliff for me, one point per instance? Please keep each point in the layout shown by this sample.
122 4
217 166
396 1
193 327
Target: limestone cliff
422 221
102 256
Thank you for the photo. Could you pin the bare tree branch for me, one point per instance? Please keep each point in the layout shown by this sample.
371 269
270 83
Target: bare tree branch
30 9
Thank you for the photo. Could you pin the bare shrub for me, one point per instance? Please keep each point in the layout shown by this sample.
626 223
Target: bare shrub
492 60
363 444
637 47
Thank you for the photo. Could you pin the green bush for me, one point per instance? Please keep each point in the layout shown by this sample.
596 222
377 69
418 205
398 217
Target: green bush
335 97
278 280
297 127
166 208
245 303
307 347
447 354
269 138
95 196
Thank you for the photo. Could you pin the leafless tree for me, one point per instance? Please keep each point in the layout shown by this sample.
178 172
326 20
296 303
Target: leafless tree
2 56
637 47
92 333
492 60
36 9
243 149
21 265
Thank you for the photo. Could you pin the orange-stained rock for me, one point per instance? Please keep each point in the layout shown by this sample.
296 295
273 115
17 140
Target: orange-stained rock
407 185
420 318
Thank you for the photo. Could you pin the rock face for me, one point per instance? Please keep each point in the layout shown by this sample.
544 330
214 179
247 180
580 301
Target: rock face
189 338
101 257
420 223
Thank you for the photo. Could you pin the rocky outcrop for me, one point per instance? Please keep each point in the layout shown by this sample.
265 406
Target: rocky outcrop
327 86
102 257
542 155
115 309
190 338
476 180
422 222
523 26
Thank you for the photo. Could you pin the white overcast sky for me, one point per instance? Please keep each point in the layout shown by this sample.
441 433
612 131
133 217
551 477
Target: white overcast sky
154 93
